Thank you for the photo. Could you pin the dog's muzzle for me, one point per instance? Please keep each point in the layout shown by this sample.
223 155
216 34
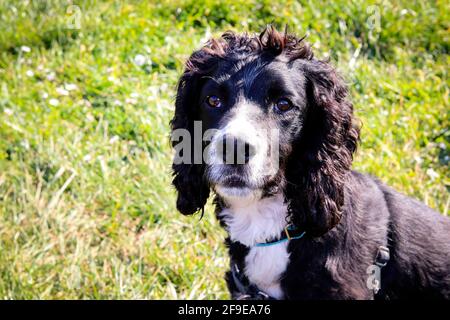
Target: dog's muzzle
234 151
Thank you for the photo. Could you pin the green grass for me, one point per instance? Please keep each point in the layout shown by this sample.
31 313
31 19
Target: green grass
86 207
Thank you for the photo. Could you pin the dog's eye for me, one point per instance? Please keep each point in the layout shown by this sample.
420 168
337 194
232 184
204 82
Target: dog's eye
213 101
283 105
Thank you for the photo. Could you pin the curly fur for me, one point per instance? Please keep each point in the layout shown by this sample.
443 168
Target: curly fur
346 215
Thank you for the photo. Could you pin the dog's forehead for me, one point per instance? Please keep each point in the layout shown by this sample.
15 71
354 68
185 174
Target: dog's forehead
244 71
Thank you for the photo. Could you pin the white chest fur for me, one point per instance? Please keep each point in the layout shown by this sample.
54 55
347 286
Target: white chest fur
254 221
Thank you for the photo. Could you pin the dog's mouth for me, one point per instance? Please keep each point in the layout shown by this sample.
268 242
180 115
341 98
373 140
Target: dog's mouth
233 186
234 181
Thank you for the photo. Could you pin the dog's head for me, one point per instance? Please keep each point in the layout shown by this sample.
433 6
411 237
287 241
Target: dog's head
271 118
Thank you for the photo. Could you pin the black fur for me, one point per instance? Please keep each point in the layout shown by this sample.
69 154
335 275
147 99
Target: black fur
347 215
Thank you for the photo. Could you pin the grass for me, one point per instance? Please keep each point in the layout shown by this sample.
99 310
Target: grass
86 94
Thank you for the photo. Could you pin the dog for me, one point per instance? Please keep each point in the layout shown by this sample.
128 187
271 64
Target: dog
301 223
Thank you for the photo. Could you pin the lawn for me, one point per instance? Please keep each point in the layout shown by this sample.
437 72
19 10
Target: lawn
86 94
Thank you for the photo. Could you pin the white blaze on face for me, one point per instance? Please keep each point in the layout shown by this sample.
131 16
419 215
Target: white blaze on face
241 125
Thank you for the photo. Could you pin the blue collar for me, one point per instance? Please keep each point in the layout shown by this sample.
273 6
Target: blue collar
289 233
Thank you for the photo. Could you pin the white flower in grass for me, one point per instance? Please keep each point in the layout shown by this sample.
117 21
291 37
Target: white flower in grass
8 111
62 92
117 103
53 102
25 144
44 95
153 91
25 49
29 73
114 139
87 103
70 87
139 60
87 158
164 87
146 121
134 95
113 80
90 117
130 101
432 174
51 76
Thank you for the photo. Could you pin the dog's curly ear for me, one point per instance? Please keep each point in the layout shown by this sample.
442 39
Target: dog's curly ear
189 180
321 158
193 191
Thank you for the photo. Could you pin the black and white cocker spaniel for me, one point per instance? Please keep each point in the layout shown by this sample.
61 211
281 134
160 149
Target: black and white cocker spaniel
277 137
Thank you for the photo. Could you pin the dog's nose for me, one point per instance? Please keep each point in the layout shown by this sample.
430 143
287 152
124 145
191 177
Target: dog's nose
236 151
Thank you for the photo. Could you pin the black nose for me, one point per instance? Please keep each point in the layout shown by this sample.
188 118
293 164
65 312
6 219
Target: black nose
235 151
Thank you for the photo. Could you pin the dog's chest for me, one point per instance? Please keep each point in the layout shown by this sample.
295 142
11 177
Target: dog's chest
254 223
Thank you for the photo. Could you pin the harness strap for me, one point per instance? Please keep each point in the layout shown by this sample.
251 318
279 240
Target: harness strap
381 260
383 256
